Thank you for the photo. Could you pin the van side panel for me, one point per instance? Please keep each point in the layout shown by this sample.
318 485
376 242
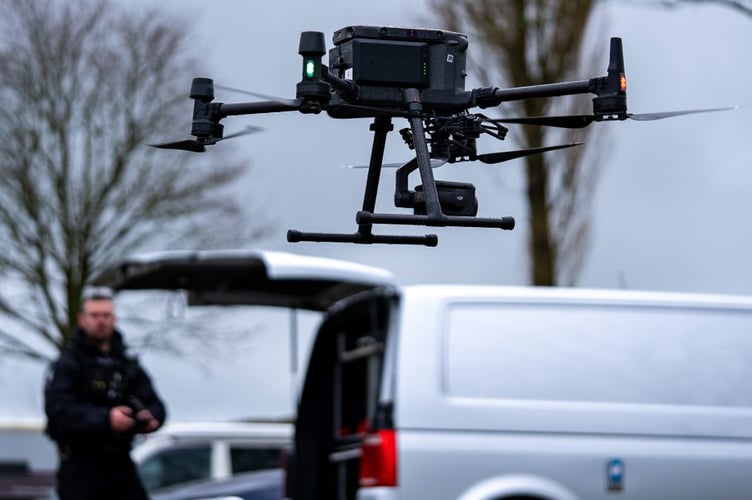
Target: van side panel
443 464
566 397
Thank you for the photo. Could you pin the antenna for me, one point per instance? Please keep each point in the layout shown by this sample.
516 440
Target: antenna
205 125
611 103
311 89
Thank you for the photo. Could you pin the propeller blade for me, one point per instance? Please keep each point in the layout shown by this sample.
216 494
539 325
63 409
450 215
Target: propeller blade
669 114
187 145
279 100
581 121
194 146
250 129
563 121
511 155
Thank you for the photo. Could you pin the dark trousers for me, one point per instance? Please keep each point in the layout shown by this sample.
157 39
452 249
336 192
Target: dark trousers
99 477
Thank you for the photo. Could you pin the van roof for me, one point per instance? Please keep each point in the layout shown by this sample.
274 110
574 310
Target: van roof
246 277
580 295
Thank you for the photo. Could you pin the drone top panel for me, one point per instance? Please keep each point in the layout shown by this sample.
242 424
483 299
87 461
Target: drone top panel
380 59
397 33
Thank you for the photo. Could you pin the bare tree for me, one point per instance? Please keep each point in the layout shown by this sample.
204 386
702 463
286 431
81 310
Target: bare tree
83 86
531 42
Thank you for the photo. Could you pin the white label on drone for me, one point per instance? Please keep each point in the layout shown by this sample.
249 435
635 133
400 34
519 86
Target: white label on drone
450 58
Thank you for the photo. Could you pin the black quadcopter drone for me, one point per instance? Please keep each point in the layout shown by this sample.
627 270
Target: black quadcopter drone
416 74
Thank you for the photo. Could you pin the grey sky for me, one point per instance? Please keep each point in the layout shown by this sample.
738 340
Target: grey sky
671 210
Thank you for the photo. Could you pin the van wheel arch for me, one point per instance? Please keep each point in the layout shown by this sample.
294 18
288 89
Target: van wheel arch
518 487
523 497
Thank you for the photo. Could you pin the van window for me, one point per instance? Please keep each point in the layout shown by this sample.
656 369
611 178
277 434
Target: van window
591 353
247 459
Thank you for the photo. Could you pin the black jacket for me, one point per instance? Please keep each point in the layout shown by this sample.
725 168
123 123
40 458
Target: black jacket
83 384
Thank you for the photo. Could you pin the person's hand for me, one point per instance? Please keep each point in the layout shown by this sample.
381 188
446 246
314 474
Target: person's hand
121 419
151 424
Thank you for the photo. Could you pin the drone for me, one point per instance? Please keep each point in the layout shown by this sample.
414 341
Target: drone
385 72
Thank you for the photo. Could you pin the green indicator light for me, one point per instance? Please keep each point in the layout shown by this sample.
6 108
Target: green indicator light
310 68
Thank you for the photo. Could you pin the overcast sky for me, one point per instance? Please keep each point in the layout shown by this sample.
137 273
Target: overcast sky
671 210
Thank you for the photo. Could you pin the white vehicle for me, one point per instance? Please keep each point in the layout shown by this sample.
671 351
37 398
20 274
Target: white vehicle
190 452
497 393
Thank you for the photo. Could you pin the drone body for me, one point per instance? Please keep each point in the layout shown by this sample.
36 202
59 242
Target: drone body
419 75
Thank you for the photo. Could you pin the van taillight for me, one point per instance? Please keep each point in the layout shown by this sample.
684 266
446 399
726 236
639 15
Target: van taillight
378 460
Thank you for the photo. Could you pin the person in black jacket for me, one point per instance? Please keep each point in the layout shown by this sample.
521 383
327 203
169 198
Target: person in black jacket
97 397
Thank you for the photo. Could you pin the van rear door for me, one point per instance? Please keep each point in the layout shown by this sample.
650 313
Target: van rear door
339 401
246 277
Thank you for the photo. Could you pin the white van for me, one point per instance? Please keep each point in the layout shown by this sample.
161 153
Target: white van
496 393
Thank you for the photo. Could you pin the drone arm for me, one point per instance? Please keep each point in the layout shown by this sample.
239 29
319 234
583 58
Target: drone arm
345 88
611 90
492 96
252 108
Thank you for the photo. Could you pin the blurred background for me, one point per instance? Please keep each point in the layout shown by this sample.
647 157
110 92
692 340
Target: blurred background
658 205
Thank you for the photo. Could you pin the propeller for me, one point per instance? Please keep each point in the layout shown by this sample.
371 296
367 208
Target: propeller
581 121
199 145
499 157
278 100
191 145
